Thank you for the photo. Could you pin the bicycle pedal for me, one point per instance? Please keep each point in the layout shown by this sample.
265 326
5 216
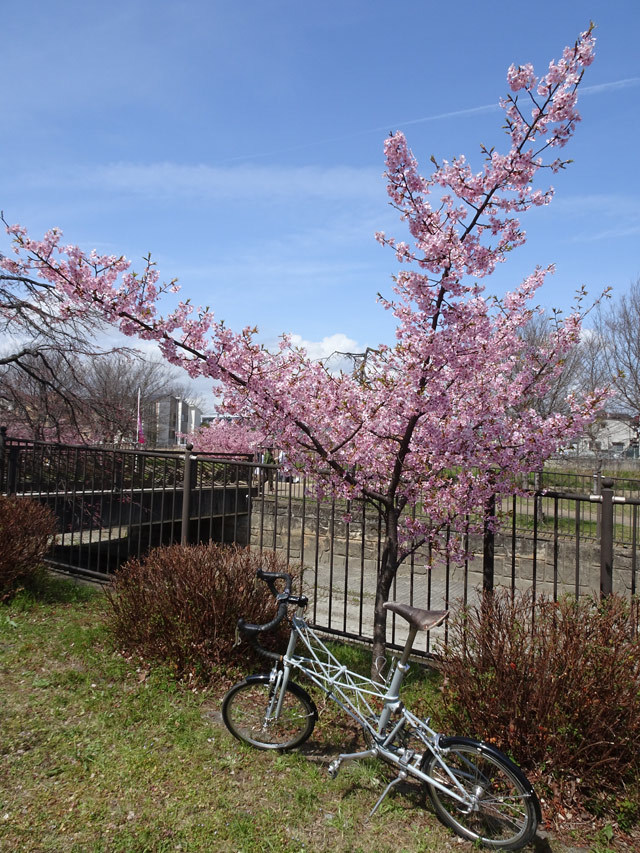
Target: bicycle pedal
333 768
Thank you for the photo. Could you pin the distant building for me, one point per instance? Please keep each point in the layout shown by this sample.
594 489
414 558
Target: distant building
610 435
168 416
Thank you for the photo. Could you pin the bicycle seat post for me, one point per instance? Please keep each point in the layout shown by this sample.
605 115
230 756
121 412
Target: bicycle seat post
419 620
392 699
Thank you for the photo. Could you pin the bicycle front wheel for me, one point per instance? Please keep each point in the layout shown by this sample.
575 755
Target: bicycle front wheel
249 712
502 810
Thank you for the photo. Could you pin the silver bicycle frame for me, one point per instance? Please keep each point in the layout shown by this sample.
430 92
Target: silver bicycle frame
355 693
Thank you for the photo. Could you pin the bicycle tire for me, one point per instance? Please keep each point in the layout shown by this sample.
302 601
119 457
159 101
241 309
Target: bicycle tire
245 707
506 810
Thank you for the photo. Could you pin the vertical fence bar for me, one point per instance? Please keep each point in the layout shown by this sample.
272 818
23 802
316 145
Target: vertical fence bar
236 495
163 493
514 518
152 501
488 550
534 562
200 467
225 501
606 539
363 541
447 588
90 489
172 525
332 530
303 521
276 495
132 467
97 507
634 541
346 566
66 502
186 495
465 588
556 547
12 470
262 485
412 563
316 562
3 456
289 514
577 551
116 514
76 508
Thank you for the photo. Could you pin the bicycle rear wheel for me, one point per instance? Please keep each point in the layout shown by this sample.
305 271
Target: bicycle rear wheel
503 811
248 711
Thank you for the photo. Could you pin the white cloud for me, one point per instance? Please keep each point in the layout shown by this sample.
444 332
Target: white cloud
330 344
332 350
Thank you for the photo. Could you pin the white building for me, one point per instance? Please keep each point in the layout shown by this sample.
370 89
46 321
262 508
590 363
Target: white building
611 435
172 416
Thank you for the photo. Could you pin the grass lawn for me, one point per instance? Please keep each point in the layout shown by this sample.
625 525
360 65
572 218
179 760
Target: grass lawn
97 753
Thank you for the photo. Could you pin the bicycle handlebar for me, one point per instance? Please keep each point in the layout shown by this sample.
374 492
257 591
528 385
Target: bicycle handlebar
283 598
270 579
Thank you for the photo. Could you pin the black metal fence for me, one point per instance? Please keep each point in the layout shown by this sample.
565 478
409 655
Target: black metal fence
115 504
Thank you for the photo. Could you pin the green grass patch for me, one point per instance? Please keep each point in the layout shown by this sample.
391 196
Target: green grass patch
100 754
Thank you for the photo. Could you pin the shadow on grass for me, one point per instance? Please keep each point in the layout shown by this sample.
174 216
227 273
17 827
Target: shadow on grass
47 588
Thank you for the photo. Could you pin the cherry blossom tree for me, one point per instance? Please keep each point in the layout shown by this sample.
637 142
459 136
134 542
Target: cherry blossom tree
442 419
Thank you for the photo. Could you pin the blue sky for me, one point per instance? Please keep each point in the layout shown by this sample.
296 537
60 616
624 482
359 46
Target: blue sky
241 142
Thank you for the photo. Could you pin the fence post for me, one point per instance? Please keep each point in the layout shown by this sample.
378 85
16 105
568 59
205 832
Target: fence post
3 451
597 490
488 553
606 539
186 496
8 465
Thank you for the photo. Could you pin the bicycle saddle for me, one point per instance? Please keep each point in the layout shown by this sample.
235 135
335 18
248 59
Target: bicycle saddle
422 620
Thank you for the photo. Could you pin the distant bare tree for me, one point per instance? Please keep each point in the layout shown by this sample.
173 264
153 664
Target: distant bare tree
618 333
538 336
43 355
112 387
39 398
57 381
96 400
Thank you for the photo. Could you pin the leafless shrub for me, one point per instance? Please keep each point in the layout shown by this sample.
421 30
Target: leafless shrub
180 606
26 531
557 684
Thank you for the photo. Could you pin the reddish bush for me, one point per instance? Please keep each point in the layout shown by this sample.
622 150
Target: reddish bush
180 605
26 532
556 684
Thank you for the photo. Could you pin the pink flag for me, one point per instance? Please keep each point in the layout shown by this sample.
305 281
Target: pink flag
141 438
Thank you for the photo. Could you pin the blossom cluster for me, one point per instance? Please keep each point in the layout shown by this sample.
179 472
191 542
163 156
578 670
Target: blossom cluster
226 437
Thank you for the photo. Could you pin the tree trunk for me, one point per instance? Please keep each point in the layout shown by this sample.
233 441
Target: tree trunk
386 574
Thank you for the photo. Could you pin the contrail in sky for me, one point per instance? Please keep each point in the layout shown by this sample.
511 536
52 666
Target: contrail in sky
487 108
607 87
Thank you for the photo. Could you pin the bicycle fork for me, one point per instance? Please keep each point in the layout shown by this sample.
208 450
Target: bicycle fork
278 682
